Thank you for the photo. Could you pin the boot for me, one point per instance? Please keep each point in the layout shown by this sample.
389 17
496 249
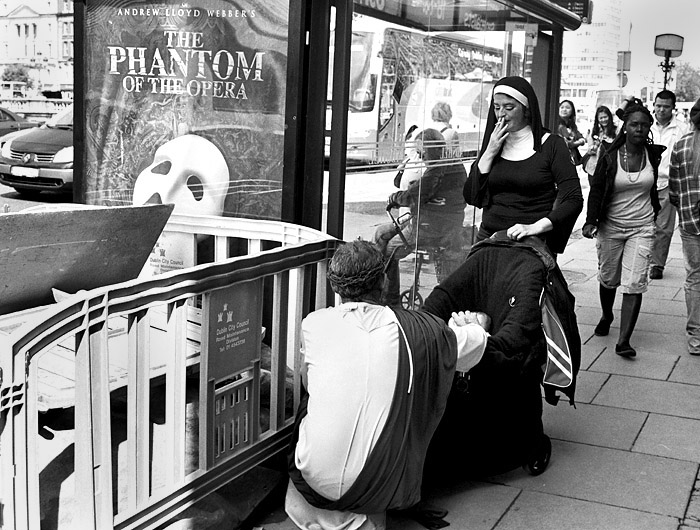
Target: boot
607 298
631 304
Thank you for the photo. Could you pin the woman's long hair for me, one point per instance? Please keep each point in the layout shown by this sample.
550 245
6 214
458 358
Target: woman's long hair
609 128
570 122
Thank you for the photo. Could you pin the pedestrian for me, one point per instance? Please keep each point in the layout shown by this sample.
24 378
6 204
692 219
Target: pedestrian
666 130
622 205
601 136
437 212
523 179
377 382
568 130
442 116
684 185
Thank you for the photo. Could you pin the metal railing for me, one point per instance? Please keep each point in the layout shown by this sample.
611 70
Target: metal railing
35 109
191 340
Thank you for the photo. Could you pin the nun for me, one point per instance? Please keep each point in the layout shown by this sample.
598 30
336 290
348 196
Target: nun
524 179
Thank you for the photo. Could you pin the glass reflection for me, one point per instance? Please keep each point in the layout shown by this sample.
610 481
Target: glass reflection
404 82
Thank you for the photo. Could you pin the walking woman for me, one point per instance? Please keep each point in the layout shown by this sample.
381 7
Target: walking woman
523 179
622 205
602 135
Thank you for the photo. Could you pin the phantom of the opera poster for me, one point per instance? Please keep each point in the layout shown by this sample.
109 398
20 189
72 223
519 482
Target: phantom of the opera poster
185 104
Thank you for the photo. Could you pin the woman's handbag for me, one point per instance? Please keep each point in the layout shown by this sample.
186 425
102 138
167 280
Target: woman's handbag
590 160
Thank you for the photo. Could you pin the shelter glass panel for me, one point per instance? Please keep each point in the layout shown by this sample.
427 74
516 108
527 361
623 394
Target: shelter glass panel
419 94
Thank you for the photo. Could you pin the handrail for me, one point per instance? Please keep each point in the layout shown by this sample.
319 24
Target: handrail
170 318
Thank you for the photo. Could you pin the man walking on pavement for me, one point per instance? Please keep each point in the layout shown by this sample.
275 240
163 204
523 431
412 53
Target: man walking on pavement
666 130
684 184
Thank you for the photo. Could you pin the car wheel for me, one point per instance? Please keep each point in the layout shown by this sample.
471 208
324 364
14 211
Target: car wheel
28 194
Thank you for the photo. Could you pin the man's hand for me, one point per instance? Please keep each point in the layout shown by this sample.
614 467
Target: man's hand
674 199
589 231
391 202
462 318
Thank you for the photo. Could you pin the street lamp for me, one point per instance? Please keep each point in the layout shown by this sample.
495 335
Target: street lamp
667 46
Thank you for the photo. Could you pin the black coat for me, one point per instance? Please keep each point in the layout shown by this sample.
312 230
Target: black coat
505 279
603 183
498 419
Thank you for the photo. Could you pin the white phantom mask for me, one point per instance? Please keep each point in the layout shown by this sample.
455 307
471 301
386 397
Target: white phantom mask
188 171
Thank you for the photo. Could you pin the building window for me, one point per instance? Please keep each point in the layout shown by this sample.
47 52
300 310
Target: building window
67 49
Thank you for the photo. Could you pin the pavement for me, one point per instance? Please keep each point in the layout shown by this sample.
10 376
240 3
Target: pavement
627 456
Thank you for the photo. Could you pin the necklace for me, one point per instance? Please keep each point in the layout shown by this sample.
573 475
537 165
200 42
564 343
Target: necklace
630 177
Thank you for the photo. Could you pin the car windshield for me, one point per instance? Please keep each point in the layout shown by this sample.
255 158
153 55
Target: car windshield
62 120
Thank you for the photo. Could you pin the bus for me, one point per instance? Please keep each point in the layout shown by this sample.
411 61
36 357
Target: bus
396 77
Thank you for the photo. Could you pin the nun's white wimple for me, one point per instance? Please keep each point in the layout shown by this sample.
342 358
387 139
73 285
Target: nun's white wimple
512 92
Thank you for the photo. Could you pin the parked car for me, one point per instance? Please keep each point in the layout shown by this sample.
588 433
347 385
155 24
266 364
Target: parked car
10 122
41 158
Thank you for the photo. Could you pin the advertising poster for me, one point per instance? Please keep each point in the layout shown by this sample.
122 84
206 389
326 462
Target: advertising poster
185 104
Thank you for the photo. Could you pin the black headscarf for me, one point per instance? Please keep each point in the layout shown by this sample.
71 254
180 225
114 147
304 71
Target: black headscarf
521 85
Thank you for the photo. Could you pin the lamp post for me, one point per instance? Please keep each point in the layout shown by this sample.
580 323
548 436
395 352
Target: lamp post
668 46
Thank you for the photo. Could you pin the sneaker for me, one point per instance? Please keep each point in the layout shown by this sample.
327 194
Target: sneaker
656 273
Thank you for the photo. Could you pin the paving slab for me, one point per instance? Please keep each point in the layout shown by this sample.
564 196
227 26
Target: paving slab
649 342
670 437
553 512
588 384
588 297
595 425
589 351
587 315
575 258
657 320
650 365
687 370
692 514
672 307
612 477
647 395
648 345
662 290
680 296
472 505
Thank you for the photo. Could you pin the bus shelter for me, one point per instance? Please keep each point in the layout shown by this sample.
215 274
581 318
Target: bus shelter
269 94
252 111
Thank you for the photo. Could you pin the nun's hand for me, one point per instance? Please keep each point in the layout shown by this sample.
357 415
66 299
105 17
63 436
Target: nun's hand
498 136
519 231
494 146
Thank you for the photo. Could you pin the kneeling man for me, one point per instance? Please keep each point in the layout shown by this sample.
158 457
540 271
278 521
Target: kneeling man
377 381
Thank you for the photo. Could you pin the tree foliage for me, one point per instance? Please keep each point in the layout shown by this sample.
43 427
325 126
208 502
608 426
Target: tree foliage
687 82
17 72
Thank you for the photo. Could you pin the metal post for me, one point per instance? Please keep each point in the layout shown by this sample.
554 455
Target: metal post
666 67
